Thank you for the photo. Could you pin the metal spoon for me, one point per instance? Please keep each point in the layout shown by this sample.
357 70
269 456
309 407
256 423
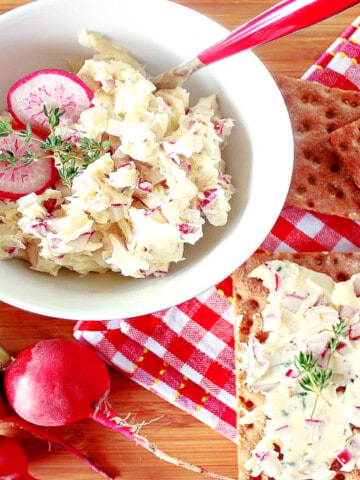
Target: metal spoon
282 19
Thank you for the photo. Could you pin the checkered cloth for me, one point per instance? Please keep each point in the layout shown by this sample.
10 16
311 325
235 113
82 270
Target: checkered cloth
185 354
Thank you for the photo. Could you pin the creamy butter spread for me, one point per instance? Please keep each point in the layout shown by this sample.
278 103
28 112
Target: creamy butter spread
131 211
299 443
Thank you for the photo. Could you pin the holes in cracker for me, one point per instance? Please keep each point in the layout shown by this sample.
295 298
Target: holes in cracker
301 189
335 167
310 98
311 156
331 127
330 113
343 147
335 191
312 180
319 261
342 277
350 101
307 154
305 126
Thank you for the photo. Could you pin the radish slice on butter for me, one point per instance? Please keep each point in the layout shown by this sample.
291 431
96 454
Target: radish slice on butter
52 88
18 180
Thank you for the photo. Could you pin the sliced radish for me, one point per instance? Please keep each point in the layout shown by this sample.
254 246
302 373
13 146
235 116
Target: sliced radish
19 179
52 88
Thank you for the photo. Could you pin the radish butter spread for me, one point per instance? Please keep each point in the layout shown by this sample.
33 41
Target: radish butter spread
308 372
132 209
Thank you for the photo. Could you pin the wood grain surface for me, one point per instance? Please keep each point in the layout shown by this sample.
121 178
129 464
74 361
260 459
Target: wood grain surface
175 431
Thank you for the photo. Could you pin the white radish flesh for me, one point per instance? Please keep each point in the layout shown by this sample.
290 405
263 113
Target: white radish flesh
52 88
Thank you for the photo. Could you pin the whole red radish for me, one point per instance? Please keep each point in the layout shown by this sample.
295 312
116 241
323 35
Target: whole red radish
56 382
20 178
52 88
59 381
13 460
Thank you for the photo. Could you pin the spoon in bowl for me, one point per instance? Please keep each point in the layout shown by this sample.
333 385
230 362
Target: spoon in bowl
282 19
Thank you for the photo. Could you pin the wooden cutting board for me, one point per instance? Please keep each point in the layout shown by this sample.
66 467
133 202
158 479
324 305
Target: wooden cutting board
174 431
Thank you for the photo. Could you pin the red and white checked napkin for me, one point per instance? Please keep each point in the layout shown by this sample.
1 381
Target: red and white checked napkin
185 354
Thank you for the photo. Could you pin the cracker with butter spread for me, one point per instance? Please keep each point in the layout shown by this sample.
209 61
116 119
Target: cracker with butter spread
250 301
320 182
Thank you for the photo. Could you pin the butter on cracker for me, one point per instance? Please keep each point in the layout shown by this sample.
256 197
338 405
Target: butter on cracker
251 298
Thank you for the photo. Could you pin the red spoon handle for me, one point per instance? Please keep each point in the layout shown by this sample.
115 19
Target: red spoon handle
284 18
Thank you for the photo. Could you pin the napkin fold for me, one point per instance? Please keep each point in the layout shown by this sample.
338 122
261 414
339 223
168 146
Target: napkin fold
185 354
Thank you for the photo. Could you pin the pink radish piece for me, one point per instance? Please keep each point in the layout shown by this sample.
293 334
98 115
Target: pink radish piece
81 381
52 88
13 460
18 180
6 416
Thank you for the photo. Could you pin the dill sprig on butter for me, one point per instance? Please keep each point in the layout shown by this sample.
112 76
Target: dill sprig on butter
70 157
317 378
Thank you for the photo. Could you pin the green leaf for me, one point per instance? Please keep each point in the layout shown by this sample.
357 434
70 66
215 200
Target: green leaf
6 129
53 116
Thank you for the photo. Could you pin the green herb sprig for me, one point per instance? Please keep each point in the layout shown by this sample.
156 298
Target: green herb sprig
339 330
70 158
316 378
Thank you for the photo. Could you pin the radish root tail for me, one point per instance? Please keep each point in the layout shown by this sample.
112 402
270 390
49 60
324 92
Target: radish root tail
111 420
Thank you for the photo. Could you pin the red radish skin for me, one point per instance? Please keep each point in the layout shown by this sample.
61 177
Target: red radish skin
19 180
81 381
61 366
52 88
7 416
13 460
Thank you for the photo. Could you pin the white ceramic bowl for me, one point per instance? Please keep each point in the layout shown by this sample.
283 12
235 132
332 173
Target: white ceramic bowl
259 157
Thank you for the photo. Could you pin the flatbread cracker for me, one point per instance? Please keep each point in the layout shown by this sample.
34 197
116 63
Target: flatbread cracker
320 181
250 297
346 143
